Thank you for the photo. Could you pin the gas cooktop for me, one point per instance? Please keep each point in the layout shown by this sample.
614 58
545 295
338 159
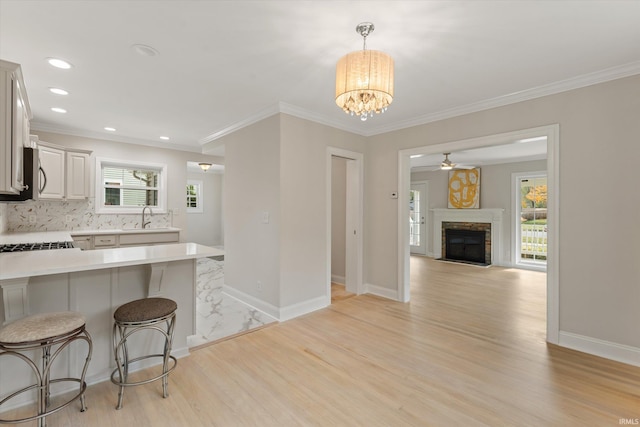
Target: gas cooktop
23 247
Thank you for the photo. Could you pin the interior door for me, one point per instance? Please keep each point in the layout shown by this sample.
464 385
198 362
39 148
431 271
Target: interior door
418 218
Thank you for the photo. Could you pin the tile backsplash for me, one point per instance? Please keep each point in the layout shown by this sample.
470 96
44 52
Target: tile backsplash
69 215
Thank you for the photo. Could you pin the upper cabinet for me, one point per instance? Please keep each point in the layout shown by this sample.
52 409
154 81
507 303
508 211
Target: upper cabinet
64 172
15 114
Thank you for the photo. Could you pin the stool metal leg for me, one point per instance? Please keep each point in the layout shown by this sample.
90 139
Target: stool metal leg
121 333
122 365
43 382
167 352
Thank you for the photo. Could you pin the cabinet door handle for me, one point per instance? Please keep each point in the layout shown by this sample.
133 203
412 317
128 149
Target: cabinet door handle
44 175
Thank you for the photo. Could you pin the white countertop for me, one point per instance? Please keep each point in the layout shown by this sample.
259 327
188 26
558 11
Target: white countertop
35 237
40 263
66 236
124 231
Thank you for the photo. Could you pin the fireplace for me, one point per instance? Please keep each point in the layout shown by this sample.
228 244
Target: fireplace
485 220
465 245
467 242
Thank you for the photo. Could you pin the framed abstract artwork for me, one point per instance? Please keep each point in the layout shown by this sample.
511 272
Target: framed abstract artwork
464 189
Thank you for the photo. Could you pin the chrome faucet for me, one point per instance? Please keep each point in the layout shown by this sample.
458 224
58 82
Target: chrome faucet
145 223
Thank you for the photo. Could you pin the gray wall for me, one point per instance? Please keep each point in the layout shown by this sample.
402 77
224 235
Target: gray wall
599 271
279 165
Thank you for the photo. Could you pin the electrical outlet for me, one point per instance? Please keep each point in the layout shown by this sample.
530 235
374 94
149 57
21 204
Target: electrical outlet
176 211
259 286
32 219
68 218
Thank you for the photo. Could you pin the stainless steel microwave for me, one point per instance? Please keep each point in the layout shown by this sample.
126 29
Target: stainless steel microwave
31 161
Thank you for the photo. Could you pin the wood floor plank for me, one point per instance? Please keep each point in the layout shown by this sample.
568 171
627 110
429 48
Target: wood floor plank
469 349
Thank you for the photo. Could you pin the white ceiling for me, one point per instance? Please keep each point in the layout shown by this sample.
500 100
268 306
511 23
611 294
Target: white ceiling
225 64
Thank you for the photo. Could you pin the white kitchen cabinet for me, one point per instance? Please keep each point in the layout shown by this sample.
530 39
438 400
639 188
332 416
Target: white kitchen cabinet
52 172
149 238
15 114
84 242
105 241
77 183
65 172
87 239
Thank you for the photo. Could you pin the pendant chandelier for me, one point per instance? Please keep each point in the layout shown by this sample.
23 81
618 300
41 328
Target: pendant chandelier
364 79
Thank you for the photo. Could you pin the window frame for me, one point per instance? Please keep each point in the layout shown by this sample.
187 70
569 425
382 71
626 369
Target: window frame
199 202
100 186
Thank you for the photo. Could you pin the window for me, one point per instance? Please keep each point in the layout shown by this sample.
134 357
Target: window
125 187
194 196
531 219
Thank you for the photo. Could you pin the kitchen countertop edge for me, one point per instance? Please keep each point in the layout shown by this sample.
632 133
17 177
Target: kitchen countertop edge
41 263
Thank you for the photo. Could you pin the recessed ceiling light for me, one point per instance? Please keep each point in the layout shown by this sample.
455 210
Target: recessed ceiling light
144 50
110 129
58 110
59 63
165 138
58 91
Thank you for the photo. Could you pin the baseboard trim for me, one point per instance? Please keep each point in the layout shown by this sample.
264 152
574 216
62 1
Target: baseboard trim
252 301
304 307
609 350
381 292
278 314
338 279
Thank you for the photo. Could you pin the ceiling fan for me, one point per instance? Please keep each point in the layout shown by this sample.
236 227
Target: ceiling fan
447 164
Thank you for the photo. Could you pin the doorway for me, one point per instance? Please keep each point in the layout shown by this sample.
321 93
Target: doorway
345 197
551 134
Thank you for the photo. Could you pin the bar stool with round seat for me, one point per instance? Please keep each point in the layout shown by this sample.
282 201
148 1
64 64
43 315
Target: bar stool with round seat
136 316
51 333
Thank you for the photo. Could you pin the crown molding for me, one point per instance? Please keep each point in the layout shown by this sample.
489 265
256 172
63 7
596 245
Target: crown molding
577 82
280 107
254 118
43 127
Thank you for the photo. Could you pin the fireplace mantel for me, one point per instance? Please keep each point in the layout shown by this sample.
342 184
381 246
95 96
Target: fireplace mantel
493 216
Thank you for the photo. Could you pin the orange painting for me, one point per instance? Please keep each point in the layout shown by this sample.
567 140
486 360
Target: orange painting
464 189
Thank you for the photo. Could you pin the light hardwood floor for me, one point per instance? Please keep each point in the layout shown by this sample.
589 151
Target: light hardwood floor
468 350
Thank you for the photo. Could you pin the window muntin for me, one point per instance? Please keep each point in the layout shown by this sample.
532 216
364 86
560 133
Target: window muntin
194 196
125 187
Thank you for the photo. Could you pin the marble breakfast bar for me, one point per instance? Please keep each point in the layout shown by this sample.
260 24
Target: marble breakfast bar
95 283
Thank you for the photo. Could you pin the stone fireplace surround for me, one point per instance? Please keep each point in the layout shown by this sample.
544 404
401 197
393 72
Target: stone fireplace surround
491 216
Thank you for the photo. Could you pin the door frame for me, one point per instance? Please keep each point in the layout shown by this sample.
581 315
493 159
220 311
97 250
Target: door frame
552 132
425 229
354 242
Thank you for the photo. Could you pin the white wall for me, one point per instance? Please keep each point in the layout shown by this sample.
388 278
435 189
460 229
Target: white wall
599 270
206 227
495 193
338 218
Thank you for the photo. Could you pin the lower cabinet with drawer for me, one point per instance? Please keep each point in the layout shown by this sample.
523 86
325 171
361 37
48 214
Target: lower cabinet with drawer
87 241
139 239
105 241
